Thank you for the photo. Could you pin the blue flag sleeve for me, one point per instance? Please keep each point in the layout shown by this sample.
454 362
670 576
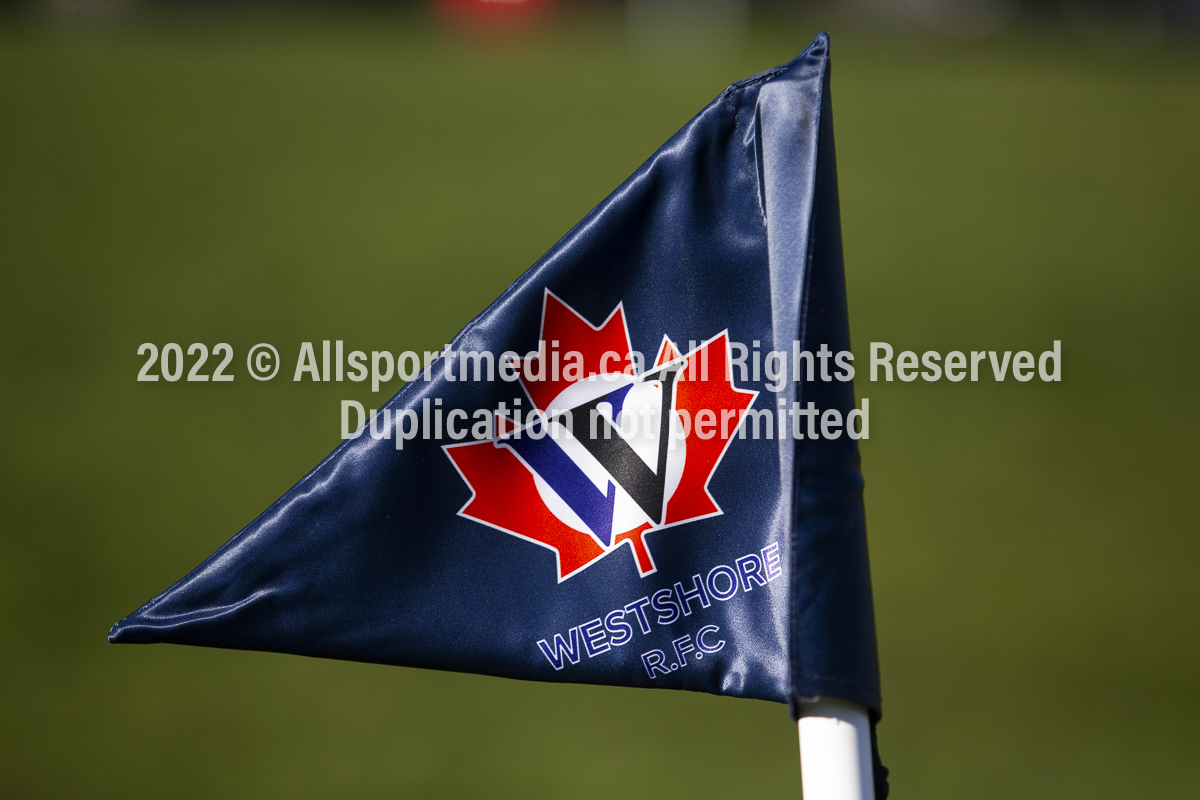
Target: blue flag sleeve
637 467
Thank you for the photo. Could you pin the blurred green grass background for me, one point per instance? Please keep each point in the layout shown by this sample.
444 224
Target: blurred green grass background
370 177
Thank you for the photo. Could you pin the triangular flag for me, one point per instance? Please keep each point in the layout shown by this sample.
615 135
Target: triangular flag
637 467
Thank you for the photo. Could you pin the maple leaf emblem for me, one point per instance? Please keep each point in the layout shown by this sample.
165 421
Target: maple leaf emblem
607 454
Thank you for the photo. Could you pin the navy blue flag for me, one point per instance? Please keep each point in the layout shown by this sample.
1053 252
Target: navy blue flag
637 467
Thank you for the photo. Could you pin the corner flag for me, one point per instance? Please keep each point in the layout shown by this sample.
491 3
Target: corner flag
637 467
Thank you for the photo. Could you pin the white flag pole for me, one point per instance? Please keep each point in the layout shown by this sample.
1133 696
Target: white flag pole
835 751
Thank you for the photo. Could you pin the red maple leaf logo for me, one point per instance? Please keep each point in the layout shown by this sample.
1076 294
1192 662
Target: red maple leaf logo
607 454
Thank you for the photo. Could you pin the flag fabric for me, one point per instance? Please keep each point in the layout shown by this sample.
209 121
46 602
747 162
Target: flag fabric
647 491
